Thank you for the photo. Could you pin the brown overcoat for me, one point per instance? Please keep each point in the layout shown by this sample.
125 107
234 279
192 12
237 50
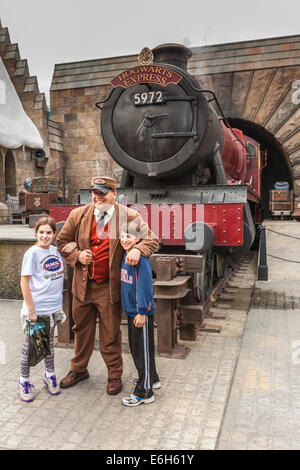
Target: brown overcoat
77 229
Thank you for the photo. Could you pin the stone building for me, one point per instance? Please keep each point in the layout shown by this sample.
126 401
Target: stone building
18 163
74 92
255 83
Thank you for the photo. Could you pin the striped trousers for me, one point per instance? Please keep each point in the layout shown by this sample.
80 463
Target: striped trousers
141 343
49 360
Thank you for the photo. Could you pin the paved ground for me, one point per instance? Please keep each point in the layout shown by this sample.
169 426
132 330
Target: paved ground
263 409
186 414
234 391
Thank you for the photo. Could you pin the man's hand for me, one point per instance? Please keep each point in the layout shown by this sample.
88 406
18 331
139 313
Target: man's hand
133 257
68 248
85 257
139 320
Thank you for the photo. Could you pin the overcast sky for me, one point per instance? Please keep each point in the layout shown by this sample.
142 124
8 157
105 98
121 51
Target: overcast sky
56 31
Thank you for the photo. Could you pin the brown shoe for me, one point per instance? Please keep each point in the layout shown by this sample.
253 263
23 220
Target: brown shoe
114 386
73 378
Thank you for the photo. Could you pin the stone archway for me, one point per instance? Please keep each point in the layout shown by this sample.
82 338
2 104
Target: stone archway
10 174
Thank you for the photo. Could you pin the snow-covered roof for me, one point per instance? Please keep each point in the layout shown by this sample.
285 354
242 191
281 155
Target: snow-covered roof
16 127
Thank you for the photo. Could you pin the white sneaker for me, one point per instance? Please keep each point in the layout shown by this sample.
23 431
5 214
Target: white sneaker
156 385
25 391
133 400
52 385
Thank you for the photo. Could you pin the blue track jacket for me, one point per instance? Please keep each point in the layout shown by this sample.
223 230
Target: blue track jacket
136 288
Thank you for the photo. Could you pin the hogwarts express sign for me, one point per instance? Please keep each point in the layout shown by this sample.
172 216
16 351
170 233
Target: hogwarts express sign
146 74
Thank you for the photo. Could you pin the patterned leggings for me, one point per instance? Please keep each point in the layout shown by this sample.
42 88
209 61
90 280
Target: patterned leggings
49 360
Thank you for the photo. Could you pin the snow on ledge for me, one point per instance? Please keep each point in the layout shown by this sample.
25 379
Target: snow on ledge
16 127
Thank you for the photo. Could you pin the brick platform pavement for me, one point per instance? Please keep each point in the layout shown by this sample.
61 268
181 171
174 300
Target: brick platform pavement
263 410
186 414
264 405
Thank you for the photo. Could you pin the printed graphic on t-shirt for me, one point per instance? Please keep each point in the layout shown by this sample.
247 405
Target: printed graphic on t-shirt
45 268
125 278
52 264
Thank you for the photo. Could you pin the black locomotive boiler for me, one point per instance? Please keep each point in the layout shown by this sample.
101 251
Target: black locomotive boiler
194 178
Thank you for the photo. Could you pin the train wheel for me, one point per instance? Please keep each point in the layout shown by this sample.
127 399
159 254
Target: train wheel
221 265
203 281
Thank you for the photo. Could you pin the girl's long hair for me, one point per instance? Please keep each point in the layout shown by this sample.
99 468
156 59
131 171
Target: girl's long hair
45 220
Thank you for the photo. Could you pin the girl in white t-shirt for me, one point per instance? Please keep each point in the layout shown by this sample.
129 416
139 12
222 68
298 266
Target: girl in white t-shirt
42 278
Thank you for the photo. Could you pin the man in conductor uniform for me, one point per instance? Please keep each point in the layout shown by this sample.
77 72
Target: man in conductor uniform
96 259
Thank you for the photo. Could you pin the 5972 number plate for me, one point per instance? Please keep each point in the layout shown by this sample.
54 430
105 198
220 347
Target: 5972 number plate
148 97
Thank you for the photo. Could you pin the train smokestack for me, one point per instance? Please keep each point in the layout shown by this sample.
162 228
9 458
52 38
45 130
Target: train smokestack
173 54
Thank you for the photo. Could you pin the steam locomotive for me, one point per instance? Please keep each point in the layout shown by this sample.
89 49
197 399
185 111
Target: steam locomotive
193 178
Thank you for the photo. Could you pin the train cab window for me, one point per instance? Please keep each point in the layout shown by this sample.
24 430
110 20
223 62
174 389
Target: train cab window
252 150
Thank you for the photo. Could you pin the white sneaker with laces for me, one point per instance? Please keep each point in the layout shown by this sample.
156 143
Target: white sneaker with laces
133 400
52 385
156 385
25 391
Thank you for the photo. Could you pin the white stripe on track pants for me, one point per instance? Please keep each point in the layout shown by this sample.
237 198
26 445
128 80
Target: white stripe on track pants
141 342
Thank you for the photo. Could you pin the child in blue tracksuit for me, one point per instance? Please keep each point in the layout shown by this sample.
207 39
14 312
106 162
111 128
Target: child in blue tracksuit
137 303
